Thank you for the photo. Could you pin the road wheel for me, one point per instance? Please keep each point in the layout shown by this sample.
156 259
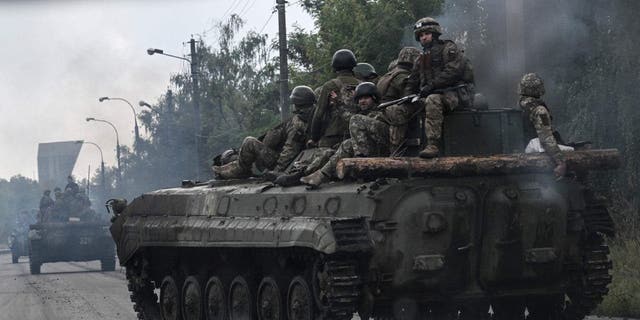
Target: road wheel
241 300
215 300
192 299
299 300
169 299
34 262
269 300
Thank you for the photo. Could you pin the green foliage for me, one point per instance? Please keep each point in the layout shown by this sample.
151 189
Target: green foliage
623 299
16 194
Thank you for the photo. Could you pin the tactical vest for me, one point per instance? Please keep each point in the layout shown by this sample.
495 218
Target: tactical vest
338 127
384 84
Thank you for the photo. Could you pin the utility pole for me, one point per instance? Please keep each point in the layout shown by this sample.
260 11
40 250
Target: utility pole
284 68
196 104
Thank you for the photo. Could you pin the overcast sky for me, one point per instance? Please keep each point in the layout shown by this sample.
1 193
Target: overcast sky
58 57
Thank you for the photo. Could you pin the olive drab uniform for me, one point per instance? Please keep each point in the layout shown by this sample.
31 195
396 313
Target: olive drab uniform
330 122
537 116
443 77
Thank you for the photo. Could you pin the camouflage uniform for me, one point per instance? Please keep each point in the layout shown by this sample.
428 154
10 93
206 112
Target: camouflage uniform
392 86
531 89
330 122
279 146
444 79
369 131
276 150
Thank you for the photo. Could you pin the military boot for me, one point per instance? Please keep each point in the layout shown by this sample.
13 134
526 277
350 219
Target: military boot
231 170
315 179
430 151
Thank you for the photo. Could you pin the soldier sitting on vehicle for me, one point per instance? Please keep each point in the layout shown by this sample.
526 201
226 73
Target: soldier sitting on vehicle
366 72
330 124
443 78
531 89
279 146
72 186
45 204
369 133
392 86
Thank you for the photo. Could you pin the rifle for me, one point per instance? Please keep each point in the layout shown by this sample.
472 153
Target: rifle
409 98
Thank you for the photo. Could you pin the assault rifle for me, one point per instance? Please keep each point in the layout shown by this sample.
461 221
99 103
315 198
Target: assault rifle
409 98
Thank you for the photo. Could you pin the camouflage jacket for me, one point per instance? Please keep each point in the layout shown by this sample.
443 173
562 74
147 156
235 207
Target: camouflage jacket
328 120
288 139
440 66
539 123
392 85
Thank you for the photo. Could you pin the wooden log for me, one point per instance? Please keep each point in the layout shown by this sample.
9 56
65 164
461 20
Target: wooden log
588 160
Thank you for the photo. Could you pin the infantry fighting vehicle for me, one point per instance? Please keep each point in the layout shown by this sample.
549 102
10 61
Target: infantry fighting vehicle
81 236
484 226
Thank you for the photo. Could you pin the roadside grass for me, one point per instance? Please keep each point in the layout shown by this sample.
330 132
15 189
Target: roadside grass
623 299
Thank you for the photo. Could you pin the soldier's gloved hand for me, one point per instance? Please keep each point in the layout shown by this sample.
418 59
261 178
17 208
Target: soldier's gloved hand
425 91
271 175
311 144
560 170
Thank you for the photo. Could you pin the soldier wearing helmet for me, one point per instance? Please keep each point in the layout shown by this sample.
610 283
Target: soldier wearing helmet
531 89
366 72
329 124
369 134
392 86
443 78
276 148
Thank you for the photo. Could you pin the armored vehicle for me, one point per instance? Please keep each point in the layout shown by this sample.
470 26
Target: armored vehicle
71 231
19 244
484 227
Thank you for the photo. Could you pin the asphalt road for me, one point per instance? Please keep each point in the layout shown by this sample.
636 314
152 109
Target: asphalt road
67 291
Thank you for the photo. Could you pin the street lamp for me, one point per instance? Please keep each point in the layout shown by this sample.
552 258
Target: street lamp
143 103
135 116
101 163
196 102
152 51
117 143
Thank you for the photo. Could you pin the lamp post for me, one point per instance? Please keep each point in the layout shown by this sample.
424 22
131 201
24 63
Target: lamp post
196 102
117 143
101 164
135 116
143 103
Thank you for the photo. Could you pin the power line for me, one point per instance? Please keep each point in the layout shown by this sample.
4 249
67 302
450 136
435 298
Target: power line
265 24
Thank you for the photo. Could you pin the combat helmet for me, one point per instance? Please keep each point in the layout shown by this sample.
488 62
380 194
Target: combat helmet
365 71
531 85
408 55
228 156
366 89
429 25
343 59
302 96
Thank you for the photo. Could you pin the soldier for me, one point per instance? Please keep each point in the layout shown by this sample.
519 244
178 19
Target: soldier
369 133
330 124
531 89
392 84
72 186
443 78
45 203
366 72
279 146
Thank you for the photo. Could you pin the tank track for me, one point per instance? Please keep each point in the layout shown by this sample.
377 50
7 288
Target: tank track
145 301
340 289
589 284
